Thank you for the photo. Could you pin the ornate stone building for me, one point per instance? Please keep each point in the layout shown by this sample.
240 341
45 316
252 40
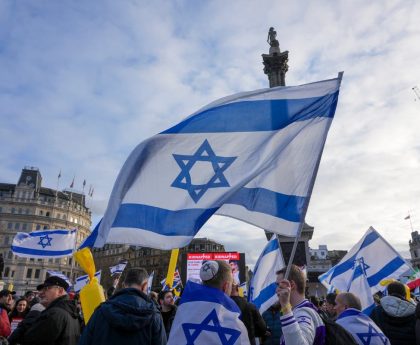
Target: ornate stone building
153 260
28 206
415 249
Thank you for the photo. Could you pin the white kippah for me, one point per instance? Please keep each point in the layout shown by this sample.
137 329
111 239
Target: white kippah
208 270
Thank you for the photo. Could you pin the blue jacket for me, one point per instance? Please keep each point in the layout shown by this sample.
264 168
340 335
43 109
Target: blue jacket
129 317
272 318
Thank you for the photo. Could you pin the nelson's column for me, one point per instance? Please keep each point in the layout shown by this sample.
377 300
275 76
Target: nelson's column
275 66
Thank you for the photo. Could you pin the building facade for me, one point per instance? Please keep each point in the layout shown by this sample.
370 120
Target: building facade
28 206
415 249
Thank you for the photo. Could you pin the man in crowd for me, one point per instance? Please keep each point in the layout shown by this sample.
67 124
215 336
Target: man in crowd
59 322
251 317
300 321
349 315
6 303
329 307
396 316
167 309
128 317
272 319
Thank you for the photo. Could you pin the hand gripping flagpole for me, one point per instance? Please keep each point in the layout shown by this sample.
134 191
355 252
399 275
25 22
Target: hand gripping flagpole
305 208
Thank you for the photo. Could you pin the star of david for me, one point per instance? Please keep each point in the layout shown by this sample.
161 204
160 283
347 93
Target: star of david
360 261
227 336
365 338
206 267
45 241
203 154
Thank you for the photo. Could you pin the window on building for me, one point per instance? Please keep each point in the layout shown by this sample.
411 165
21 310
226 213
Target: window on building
12 274
13 210
20 211
38 226
58 215
70 261
1 210
6 239
24 226
45 226
29 273
41 212
27 211
10 226
37 273
17 226
47 214
9 255
6 272
32 260
57 261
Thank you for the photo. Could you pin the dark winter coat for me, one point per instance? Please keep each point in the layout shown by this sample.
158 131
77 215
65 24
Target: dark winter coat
251 318
272 318
57 325
396 318
129 317
168 319
17 336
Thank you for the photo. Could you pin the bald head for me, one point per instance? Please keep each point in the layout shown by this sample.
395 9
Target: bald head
346 300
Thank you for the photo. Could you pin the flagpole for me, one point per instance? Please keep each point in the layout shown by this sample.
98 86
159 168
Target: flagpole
305 208
411 224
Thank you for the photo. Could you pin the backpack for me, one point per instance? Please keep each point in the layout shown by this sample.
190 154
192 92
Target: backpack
335 334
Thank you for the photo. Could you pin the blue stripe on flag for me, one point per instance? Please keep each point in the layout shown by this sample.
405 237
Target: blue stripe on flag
271 115
349 263
288 207
265 294
386 271
368 310
271 246
53 232
185 222
39 252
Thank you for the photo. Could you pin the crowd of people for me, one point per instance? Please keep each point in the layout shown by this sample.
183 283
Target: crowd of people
132 316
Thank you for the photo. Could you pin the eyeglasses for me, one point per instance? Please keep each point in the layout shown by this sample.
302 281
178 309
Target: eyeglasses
44 289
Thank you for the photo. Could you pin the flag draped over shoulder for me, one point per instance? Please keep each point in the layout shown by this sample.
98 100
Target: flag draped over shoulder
263 283
44 243
207 316
252 156
380 261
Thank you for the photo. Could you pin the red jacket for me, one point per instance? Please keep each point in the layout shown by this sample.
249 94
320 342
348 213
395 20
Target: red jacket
4 323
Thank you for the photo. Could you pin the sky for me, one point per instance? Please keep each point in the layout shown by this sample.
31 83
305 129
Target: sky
83 82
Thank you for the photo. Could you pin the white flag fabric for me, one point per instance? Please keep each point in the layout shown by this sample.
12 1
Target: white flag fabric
362 328
207 316
381 261
83 280
150 282
44 244
360 287
60 275
252 156
119 268
262 291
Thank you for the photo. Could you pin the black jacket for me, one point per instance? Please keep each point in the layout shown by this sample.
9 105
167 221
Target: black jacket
168 319
251 318
128 317
17 335
396 318
57 325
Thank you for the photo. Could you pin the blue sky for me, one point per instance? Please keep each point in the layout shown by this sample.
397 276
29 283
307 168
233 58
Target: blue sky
83 82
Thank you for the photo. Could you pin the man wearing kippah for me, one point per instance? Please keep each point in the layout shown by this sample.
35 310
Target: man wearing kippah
59 322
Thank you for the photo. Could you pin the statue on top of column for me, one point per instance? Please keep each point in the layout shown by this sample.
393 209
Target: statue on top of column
271 38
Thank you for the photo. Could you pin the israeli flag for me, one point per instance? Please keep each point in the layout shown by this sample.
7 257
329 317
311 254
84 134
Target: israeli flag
119 268
252 156
360 287
262 291
381 261
205 316
44 244
60 275
150 282
83 280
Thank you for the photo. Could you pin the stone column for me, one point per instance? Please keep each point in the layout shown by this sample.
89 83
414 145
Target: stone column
275 66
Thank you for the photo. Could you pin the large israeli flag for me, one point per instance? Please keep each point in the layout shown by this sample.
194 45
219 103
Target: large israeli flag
262 291
252 156
44 244
206 315
380 260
